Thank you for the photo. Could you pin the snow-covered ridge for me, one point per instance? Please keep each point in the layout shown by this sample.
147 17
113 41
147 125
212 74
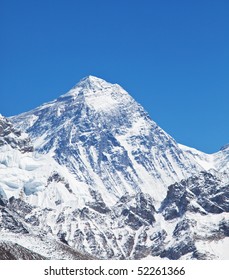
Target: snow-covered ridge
207 161
218 161
98 94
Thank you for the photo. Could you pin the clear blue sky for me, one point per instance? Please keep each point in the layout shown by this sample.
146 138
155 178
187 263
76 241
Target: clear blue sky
171 56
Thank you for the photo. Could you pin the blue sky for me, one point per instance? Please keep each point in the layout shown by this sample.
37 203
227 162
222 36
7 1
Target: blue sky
171 56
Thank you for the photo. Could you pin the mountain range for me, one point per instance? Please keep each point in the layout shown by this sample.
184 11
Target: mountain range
91 175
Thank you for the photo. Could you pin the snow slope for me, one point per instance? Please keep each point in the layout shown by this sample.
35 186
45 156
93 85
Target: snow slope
218 161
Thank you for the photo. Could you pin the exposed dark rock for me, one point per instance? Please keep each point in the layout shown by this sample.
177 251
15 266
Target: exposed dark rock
224 227
205 190
12 137
33 220
179 249
14 251
202 256
11 223
158 244
3 202
171 212
183 227
145 208
17 205
56 177
98 204
175 203
141 251
60 218
129 245
62 237
133 221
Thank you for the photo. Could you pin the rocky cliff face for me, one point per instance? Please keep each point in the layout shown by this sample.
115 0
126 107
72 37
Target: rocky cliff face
13 137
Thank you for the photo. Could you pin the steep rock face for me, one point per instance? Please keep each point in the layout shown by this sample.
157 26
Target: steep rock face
107 139
203 193
13 137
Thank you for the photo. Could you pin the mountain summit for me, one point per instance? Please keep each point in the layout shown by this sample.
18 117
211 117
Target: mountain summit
92 82
107 140
89 83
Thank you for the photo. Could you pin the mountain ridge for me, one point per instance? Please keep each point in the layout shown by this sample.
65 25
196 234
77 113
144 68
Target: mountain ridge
107 116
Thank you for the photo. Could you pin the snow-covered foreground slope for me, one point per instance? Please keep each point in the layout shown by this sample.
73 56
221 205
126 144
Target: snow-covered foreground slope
192 223
101 178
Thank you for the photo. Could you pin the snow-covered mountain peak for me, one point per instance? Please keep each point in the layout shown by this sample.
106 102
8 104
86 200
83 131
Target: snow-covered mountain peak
92 81
92 85
110 182
95 83
97 95
107 140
